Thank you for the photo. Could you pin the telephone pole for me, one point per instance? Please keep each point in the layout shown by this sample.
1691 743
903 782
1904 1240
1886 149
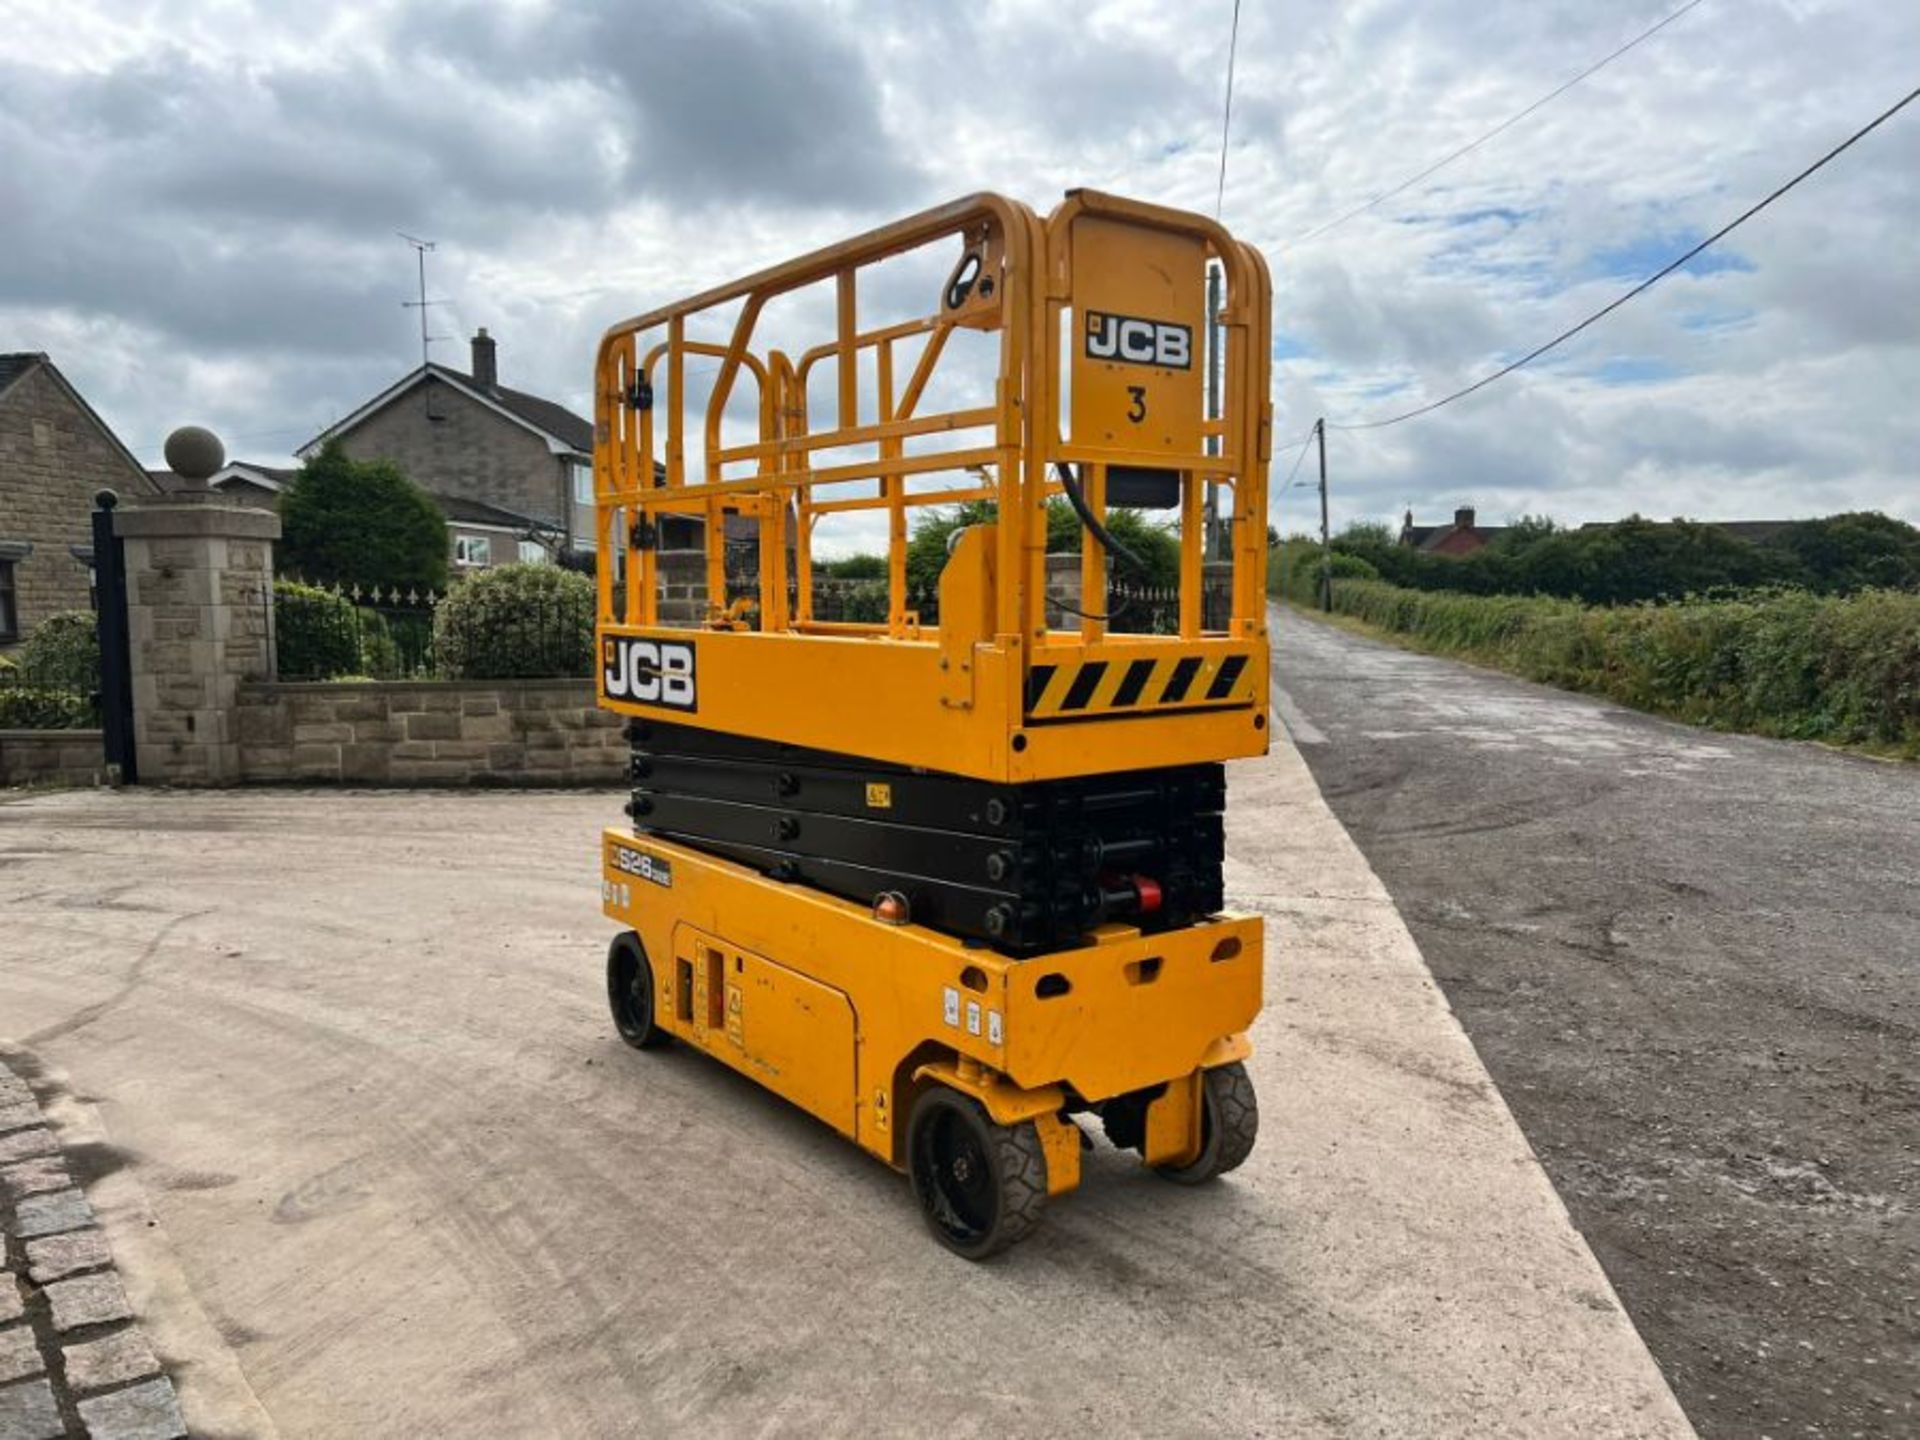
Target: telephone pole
1326 539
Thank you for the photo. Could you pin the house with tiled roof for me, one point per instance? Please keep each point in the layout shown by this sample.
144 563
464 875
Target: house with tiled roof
512 471
1462 537
55 455
479 535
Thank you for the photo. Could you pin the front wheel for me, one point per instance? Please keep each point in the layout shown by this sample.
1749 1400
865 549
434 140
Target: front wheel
630 993
981 1186
1229 1120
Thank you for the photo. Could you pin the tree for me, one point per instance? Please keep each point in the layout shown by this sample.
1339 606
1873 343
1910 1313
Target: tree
1156 546
1856 551
855 567
1358 536
361 522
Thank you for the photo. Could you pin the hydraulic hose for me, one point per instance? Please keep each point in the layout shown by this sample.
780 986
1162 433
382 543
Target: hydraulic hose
1099 532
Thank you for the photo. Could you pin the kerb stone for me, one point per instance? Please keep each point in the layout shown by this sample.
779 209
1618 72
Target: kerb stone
51 1214
35 1177
27 1144
87 1300
27 1412
19 1355
114 1360
146 1412
59 1256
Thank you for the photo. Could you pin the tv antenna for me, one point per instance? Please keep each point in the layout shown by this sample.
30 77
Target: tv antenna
420 249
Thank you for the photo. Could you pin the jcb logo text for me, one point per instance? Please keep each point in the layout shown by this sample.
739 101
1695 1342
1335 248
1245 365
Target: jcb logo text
650 672
1138 342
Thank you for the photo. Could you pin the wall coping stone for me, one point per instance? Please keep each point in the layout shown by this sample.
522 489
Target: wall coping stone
167 520
52 737
387 687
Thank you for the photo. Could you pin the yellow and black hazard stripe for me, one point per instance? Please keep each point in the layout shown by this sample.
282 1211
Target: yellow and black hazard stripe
1103 687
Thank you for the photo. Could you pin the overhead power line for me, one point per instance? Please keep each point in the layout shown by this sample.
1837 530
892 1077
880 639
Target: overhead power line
1226 120
1646 284
1501 128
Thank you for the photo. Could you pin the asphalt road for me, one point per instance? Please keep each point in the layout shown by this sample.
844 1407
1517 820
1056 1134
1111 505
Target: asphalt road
1691 962
374 1163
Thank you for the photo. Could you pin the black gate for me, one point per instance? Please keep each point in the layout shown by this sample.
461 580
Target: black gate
116 653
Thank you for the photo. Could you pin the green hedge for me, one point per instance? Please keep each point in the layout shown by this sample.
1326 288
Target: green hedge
516 622
316 634
1787 663
29 707
62 653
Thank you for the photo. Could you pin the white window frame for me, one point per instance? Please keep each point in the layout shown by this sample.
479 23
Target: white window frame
532 552
473 552
583 482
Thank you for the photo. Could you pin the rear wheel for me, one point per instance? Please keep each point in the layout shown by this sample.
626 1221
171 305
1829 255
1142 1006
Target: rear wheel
981 1186
630 993
1229 1120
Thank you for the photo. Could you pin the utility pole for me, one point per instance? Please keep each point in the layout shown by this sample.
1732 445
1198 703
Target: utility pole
1326 539
420 249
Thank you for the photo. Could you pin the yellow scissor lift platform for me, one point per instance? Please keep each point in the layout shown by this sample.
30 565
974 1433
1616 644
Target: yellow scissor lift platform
1061 360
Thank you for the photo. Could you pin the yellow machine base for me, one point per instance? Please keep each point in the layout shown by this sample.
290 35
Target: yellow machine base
853 1019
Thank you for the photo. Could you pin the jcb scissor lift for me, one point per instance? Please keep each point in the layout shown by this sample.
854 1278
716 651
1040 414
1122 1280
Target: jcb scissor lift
948 877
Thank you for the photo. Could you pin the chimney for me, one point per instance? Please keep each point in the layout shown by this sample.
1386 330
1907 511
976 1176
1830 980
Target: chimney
1462 518
486 370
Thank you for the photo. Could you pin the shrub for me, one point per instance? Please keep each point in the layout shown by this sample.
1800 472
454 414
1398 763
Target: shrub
855 567
361 522
516 622
29 707
1787 662
63 653
316 632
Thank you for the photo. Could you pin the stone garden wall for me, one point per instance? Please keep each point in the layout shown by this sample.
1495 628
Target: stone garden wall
441 732
50 757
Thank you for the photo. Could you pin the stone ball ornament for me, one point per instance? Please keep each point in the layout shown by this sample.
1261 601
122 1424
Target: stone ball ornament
195 453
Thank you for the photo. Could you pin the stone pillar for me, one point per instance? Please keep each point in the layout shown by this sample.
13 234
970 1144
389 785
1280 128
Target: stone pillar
199 621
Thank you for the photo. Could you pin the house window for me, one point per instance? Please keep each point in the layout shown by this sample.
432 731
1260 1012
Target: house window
9 606
532 552
582 483
472 550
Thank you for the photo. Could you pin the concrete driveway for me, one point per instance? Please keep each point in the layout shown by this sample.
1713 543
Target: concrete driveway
377 1165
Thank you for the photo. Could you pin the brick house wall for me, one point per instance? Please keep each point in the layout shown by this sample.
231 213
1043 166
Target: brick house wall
54 455
448 443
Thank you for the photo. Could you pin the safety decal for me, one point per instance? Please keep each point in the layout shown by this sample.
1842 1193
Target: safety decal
1102 687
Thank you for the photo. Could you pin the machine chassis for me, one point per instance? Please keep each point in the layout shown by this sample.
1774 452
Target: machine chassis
857 1020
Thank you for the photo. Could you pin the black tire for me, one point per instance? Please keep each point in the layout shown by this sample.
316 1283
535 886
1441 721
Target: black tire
981 1186
1229 1121
630 993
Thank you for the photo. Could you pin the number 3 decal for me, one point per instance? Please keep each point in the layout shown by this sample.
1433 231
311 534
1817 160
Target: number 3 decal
1137 411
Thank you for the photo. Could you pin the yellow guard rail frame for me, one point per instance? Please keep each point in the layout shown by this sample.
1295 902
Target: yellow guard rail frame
1100 309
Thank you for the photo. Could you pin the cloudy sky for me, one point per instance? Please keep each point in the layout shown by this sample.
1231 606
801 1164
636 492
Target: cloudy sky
198 204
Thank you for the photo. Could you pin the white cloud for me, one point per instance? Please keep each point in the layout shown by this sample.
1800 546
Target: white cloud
198 200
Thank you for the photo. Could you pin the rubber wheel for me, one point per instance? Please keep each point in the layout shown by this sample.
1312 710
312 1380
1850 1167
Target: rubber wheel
1229 1120
981 1186
630 993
